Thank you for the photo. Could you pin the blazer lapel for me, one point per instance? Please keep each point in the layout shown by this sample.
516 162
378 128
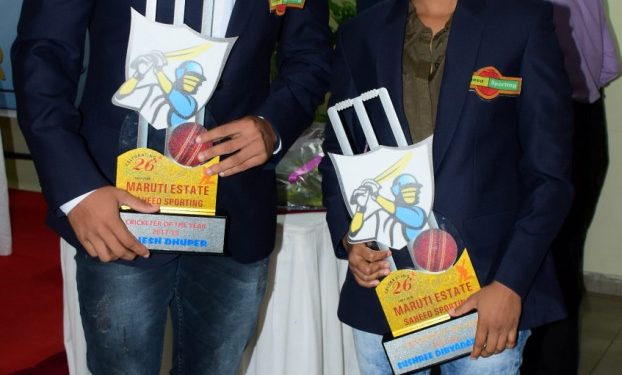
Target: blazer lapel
462 51
389 42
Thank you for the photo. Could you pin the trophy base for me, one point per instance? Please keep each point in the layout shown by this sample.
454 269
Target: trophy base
430 346
177 233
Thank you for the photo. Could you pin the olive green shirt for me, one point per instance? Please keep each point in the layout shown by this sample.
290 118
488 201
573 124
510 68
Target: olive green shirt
423 62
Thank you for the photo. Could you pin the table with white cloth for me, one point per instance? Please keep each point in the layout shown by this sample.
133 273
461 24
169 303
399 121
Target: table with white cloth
298 331
298 328
5 221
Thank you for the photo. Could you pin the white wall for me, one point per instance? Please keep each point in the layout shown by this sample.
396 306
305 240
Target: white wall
603 253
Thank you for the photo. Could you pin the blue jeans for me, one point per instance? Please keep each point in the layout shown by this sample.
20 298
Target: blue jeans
373 361
214 302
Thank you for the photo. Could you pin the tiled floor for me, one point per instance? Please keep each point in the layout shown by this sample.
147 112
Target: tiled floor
601 335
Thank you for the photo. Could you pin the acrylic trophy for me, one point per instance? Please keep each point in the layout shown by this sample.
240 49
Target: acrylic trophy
389 192
171 72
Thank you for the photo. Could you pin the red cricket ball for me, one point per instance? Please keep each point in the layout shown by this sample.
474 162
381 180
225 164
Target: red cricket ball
182 146
434 250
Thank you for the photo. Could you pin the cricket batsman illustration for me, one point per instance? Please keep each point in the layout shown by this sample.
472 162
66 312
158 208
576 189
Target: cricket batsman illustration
177 95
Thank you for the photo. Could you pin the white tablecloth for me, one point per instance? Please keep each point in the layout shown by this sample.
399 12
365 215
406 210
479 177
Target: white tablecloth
5 222
298 331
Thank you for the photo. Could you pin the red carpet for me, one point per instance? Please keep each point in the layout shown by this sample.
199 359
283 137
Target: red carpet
31 323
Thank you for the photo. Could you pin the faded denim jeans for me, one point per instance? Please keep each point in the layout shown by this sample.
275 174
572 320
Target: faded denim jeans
214 302
373 360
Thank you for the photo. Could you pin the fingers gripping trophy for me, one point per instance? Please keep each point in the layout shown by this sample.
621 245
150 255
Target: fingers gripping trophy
171 72
389 193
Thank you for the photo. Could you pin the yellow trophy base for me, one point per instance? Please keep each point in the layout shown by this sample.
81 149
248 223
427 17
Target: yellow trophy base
187 220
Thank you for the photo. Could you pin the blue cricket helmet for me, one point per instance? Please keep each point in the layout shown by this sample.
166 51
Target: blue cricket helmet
191 68
402 181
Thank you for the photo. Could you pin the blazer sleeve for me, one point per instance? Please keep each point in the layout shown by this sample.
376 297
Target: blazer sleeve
303 62
337 216
545 134
47 59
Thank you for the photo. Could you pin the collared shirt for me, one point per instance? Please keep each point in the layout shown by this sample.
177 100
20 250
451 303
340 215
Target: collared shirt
591 59
423 62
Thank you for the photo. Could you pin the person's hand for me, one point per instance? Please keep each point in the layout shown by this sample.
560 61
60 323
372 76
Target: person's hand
157 58
367 265
99 227
142 64
372 186
360 197
249 141
499 309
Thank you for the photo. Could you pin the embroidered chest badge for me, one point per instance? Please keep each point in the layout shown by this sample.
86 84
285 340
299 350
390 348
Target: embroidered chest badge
280 6
488 83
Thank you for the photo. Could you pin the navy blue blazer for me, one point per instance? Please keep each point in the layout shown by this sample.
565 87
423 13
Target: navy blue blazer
501 166
75 150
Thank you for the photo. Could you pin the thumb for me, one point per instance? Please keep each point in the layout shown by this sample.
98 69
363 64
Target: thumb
468 305
136 204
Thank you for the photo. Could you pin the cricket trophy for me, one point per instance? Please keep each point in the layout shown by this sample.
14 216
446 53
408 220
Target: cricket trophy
389 192
171 73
